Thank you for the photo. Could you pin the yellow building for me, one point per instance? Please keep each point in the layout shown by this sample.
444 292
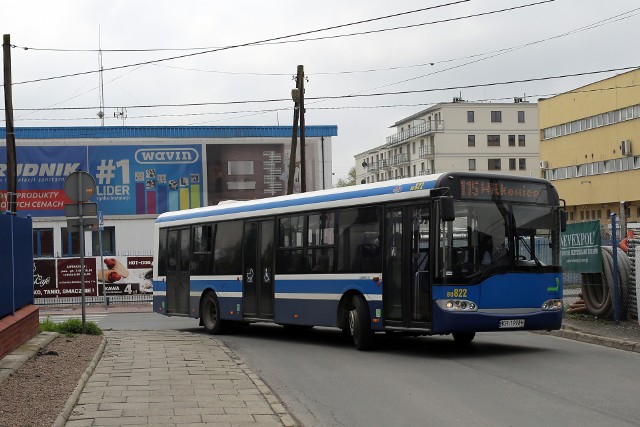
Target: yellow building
590 147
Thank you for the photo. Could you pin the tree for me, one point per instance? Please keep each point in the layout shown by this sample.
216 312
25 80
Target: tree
349 180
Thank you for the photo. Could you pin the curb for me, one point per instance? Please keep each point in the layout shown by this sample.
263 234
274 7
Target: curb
595 339
62 418
18 357
280 410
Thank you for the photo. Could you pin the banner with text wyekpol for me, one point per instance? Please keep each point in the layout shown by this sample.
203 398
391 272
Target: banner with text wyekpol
130 179
580 248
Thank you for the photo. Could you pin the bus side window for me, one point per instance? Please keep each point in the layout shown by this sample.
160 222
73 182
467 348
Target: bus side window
162 252
358 240
227 252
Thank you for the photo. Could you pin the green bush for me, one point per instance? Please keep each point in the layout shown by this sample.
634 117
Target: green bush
69 327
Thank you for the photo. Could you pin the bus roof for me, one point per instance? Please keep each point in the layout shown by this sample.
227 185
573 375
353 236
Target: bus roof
384 191
365 193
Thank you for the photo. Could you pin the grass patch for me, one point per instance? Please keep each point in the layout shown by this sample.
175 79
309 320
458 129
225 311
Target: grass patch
69 327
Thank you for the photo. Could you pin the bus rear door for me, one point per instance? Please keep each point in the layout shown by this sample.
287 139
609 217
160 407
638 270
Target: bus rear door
178 279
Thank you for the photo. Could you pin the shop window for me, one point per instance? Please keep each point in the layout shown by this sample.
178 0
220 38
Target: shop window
43 242
70 243
108 241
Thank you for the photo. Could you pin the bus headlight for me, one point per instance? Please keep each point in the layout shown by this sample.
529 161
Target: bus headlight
457 305
552 304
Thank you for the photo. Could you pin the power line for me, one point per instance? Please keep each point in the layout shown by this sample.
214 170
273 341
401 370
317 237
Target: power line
352 97
483 56
296 35
364 21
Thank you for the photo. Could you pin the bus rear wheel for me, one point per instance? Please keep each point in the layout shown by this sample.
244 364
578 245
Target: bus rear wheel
210 314
463 337
359 324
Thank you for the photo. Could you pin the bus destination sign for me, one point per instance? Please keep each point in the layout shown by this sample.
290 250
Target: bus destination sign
492 189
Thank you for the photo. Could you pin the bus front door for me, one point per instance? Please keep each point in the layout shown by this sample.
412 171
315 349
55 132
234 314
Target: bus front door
178 279
257 294
407 291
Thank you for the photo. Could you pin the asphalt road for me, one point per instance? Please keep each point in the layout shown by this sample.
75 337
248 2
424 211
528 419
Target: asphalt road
502 379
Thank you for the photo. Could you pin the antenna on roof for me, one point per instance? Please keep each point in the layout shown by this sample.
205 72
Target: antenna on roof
101 81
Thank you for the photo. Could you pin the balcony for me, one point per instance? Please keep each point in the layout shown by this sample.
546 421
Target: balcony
373 167
384 164
418 130
399 159
426 150
425 172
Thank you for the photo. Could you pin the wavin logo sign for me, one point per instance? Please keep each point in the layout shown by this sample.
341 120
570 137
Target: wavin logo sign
166 155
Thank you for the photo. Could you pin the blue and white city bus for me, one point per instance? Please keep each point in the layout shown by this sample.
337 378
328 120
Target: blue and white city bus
453 253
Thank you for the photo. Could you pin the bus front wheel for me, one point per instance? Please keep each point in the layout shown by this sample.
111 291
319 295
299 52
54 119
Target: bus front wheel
210 313
463 338
359 324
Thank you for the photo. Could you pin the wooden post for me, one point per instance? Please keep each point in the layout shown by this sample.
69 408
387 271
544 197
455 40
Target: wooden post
303 155
11 137
295 94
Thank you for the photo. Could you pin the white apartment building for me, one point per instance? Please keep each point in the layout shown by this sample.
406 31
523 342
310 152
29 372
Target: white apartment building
458 136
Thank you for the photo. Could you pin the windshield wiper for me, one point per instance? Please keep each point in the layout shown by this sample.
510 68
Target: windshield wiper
528 248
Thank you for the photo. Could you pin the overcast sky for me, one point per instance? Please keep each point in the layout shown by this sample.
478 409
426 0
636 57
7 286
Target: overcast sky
550 39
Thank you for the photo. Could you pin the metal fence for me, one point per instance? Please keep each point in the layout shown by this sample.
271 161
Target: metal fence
16 282
99 300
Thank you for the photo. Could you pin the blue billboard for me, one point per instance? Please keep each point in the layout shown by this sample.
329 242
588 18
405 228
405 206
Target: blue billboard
130 179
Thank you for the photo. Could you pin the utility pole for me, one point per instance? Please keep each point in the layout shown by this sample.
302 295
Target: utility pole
295 95
303 156
12 171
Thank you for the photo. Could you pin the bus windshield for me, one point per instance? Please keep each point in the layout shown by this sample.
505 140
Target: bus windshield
490 237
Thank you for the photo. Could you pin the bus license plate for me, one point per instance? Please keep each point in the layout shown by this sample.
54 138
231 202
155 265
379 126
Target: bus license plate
511 323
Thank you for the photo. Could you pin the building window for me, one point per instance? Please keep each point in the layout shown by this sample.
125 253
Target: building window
70 243
520 116
493 164
512 164
521 141
472 164
471 140
493 140
570 216
43 242
522 164
108 241
582 215
496 117
512 140
470 117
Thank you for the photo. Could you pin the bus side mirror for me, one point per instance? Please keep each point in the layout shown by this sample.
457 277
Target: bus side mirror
563 220
447 212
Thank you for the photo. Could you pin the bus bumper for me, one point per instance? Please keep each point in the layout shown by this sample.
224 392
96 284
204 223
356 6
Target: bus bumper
445 322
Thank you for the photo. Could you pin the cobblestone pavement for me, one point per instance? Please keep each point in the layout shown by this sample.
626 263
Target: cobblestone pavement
174 378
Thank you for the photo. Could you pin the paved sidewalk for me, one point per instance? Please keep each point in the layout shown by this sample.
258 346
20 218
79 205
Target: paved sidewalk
173 378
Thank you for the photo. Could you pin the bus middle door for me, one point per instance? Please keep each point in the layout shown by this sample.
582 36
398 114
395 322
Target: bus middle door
257 293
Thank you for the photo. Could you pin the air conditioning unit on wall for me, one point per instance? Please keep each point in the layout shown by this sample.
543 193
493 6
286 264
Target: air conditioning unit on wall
544 164
625 147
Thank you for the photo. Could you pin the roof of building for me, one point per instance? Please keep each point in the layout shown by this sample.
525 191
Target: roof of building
461 102
167 132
